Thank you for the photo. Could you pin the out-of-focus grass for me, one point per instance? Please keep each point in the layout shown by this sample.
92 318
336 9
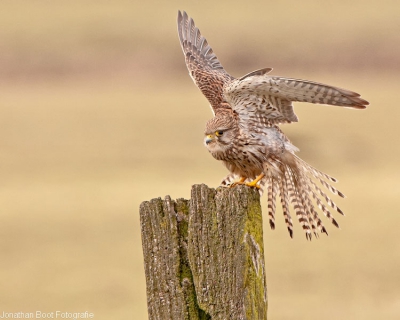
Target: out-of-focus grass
43 37
98 114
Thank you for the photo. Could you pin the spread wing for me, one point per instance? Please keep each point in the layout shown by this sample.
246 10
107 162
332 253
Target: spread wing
268 99
203 65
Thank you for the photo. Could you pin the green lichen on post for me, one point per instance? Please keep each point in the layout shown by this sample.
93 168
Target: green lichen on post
256 296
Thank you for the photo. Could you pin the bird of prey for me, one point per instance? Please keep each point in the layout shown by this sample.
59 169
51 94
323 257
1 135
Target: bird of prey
244 133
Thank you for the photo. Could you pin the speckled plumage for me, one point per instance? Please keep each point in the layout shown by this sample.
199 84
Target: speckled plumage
245 136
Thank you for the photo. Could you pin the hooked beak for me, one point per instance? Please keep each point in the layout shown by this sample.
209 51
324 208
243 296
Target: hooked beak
209 138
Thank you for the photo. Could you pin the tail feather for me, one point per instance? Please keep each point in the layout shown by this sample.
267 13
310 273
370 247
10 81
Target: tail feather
296 202
271 202
283 193
330 188
313 170
320 176
229 179
315 216
299 186
309 208
325 196
262 184
322 207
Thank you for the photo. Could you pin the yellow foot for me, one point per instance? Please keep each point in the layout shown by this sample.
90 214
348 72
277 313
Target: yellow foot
240 181
255 181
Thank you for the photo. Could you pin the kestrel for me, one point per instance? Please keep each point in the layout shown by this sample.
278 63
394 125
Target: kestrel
245 136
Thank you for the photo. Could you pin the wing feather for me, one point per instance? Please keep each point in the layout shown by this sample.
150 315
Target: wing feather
203 65
269 98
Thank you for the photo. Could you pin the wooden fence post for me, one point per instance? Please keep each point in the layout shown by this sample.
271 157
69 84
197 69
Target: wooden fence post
204 257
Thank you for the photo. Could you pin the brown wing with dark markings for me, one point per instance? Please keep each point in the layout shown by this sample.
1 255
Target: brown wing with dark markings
268 99
203 65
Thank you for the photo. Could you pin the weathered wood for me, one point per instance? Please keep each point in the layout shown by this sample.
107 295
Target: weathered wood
204 258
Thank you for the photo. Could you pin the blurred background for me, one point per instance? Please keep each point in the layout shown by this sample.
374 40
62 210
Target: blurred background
98 113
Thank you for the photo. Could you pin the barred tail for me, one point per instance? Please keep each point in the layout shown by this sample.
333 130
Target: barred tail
299 184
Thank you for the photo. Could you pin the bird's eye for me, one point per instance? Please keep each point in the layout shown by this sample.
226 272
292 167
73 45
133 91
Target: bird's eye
219 133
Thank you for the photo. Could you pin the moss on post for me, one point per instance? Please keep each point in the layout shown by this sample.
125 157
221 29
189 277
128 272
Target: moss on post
204 258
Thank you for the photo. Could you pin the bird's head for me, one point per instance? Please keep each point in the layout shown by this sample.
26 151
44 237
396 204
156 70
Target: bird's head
219 134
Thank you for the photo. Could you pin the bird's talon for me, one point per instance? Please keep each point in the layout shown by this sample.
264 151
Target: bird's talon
235 183
255 181
252 184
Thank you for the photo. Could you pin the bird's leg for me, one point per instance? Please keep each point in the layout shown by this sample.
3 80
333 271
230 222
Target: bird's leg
255 181
240 181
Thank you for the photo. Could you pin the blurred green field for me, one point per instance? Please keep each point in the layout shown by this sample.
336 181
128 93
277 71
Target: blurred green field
98 114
